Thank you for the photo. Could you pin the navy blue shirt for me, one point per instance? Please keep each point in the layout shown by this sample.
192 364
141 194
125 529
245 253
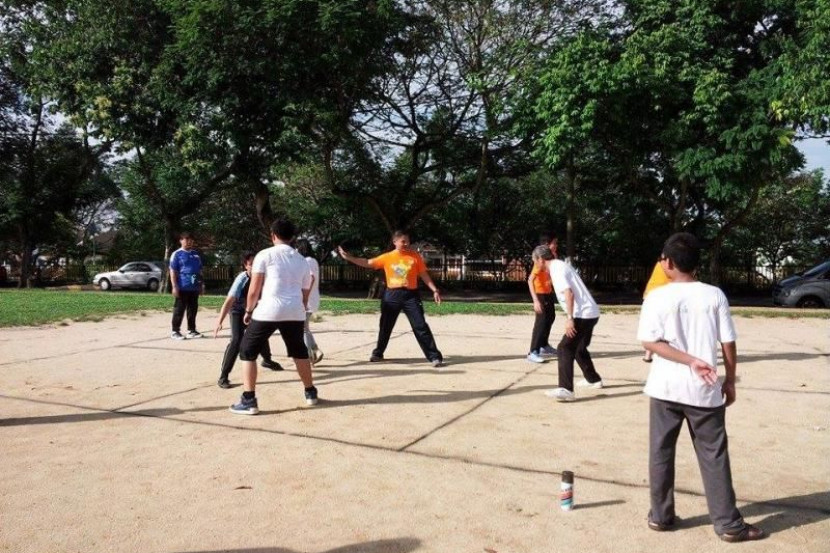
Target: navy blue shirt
188 265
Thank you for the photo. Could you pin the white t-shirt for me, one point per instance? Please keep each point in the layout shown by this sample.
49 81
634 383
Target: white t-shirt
692 317
286 276
564 277
314 295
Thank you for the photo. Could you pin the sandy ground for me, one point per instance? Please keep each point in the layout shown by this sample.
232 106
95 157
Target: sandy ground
117 439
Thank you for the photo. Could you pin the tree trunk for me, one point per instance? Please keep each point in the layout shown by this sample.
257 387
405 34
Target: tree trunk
570 213
262 200
169 239
25 260
714 260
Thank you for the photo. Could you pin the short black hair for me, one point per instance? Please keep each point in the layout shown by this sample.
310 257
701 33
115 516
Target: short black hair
283 229
546 238
185 234
247 255
399 233
304 247
683 249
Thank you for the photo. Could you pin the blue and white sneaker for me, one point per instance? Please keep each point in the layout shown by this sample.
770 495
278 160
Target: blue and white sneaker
547 351
245 407
534 357
311 396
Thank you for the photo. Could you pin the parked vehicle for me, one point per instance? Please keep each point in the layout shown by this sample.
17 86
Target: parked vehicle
137 274
808 289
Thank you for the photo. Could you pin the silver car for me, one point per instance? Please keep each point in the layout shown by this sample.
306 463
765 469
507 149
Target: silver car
145 275
808 289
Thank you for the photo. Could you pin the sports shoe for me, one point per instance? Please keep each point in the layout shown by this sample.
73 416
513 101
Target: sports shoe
375 358
176 335
534 357
748 533
194 334
271 364
547 351
582 383
437 363
311 396
224 383
560 394
318 356
245 407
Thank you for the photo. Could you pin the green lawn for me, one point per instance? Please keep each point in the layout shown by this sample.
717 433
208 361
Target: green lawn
35 307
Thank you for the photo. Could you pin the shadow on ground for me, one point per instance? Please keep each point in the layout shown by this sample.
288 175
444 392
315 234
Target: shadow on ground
402 545
780 514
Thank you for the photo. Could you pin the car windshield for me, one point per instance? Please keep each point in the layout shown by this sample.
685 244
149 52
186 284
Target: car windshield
817 270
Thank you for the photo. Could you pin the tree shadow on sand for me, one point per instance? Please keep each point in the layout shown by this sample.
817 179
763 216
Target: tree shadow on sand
402 545
780 514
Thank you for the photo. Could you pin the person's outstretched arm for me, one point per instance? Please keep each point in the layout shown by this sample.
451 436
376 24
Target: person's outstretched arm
360 261
436 295
226 307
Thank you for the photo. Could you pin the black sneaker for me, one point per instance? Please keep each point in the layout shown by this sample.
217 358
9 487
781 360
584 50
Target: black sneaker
375 358
176 335
224 383
311 396
245 407
271 364
193 334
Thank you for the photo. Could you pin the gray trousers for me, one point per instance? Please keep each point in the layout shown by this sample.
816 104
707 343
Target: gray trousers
708 431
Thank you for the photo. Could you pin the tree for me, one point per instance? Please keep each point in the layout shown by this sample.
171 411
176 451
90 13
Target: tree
440 124
677 95
789 222
224 89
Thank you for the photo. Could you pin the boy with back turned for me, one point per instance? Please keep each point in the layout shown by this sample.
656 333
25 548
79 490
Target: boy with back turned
681 323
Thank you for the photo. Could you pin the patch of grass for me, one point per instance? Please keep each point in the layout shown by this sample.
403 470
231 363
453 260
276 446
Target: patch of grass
36 307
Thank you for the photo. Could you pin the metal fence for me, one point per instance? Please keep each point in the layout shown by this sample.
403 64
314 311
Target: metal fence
469 274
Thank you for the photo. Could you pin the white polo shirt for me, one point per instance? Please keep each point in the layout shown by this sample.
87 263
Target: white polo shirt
692 317
286 276
564 277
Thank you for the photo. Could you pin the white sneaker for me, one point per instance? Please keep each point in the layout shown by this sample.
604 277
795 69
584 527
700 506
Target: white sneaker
582 383
194 334
535 358
560 394
437 363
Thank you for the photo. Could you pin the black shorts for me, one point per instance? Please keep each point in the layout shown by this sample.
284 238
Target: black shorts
258 333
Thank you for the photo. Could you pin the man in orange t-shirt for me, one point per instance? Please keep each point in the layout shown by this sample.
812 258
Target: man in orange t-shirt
544 304
402 267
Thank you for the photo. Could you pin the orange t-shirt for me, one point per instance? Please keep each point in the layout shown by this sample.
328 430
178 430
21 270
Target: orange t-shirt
542 283
401 268
658 279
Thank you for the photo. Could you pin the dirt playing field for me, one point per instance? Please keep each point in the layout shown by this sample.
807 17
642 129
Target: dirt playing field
117 439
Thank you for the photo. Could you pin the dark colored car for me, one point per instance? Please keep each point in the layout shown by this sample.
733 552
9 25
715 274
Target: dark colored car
808 289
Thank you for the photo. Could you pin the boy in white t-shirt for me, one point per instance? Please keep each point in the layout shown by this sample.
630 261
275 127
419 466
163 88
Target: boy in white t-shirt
277 300
313 300
582 314
681 323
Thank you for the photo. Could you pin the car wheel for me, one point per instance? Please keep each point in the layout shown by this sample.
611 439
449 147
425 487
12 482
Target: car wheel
105 284
810 302
153 284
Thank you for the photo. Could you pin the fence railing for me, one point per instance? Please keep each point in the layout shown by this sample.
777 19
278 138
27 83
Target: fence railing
475 274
